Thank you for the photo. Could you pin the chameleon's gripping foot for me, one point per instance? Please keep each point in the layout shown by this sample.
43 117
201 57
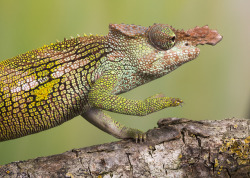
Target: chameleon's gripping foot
141 137
137 135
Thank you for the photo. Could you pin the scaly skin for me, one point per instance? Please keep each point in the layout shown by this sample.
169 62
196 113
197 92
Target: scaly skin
43 88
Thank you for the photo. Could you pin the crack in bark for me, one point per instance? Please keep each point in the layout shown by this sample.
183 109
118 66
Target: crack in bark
183 136
213 166
149 152
165 170
227 171
90 173
131 166
99 151
76 151
209 155
198 140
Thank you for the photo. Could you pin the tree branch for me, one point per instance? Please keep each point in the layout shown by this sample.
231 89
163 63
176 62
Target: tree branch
178 148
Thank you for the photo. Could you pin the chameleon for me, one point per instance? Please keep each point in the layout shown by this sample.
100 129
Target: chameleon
48 86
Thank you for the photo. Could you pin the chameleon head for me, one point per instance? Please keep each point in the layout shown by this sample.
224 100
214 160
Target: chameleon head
168 50
159 49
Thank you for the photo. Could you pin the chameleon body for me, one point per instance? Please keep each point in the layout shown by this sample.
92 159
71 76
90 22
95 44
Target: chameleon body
45 87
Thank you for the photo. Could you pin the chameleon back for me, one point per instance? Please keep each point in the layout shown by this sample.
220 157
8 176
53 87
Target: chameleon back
47 86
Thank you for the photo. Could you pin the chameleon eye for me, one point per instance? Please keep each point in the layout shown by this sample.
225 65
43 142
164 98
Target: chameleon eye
161 36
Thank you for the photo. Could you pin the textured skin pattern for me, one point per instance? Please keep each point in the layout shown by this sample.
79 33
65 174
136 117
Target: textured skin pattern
45 87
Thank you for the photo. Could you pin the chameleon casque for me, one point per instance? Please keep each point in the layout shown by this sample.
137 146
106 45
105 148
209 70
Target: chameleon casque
45 87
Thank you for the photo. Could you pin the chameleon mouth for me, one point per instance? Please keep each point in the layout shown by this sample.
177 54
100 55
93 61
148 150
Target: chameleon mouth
171 59
167 61
181 53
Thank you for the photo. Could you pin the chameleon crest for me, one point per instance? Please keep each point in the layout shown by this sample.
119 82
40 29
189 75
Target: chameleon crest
45 87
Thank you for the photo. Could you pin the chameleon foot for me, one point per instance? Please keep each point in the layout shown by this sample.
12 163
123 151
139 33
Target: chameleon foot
137 135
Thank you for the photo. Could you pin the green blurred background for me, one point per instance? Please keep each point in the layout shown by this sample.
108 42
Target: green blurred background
214 86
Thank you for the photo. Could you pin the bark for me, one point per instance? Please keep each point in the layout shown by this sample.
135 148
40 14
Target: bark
177 148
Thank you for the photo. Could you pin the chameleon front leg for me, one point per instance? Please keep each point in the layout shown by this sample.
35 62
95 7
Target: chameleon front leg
100 96
104 122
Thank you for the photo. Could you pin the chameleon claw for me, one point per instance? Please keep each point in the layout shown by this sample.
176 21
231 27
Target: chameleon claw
138 136
145 137
136 139
141 139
